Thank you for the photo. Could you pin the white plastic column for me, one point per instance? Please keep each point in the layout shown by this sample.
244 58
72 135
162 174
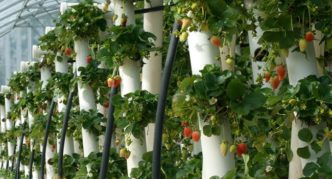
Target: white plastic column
3 131
45 75
299 66
86 97
9 123
130 82
151 72
202 53
24 68
61 66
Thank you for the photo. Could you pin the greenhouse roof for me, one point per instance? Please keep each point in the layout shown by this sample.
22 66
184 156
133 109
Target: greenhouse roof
28 13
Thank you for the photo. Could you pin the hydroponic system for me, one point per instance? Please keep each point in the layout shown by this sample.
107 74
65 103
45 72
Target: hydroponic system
174 89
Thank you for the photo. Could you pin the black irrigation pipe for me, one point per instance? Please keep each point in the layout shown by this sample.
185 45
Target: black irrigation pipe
151 9
32 155
7 164
17 172
63 132
47 131
160 115
13 160
108 136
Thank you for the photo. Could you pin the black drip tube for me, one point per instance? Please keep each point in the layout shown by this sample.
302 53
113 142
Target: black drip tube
160 115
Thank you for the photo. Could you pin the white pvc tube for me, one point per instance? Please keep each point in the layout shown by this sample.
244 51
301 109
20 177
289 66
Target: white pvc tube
215 163
2 116
9 123
137 148
151 71
61 66
299 66
130 74
124 7
202 53
130 81
86 96
45 75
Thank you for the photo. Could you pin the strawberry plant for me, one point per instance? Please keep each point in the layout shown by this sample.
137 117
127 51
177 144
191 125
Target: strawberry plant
130 42
215 96
134 111
82 20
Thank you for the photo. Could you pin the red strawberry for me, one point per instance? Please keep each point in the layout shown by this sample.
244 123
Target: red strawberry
275 83
113 82
106 104
68 51
215 41
187 132
267 76
309 36
281 72
184 123
241 149
88 59
195 136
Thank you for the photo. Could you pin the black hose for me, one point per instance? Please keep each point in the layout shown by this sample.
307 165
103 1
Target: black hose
151 9
47 131
108 137
13 159
18 163
160 115
32 155
63 133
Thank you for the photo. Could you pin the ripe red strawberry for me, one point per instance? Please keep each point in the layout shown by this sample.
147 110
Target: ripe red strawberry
215 41
68 51
88 59
281 72
275 83
241 149
195 136
187 132
184 123
309 36
113 82
267 76
106 104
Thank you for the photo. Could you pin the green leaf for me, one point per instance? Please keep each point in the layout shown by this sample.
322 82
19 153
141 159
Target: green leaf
315 146
310 169
207 130
235 89
230 174
305 135
303 152
216 7
254 100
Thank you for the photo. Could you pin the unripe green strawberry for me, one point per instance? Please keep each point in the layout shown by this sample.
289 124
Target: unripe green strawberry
223 148
232 148
284 53
183 37
292 101
330 112
302 45
229 61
